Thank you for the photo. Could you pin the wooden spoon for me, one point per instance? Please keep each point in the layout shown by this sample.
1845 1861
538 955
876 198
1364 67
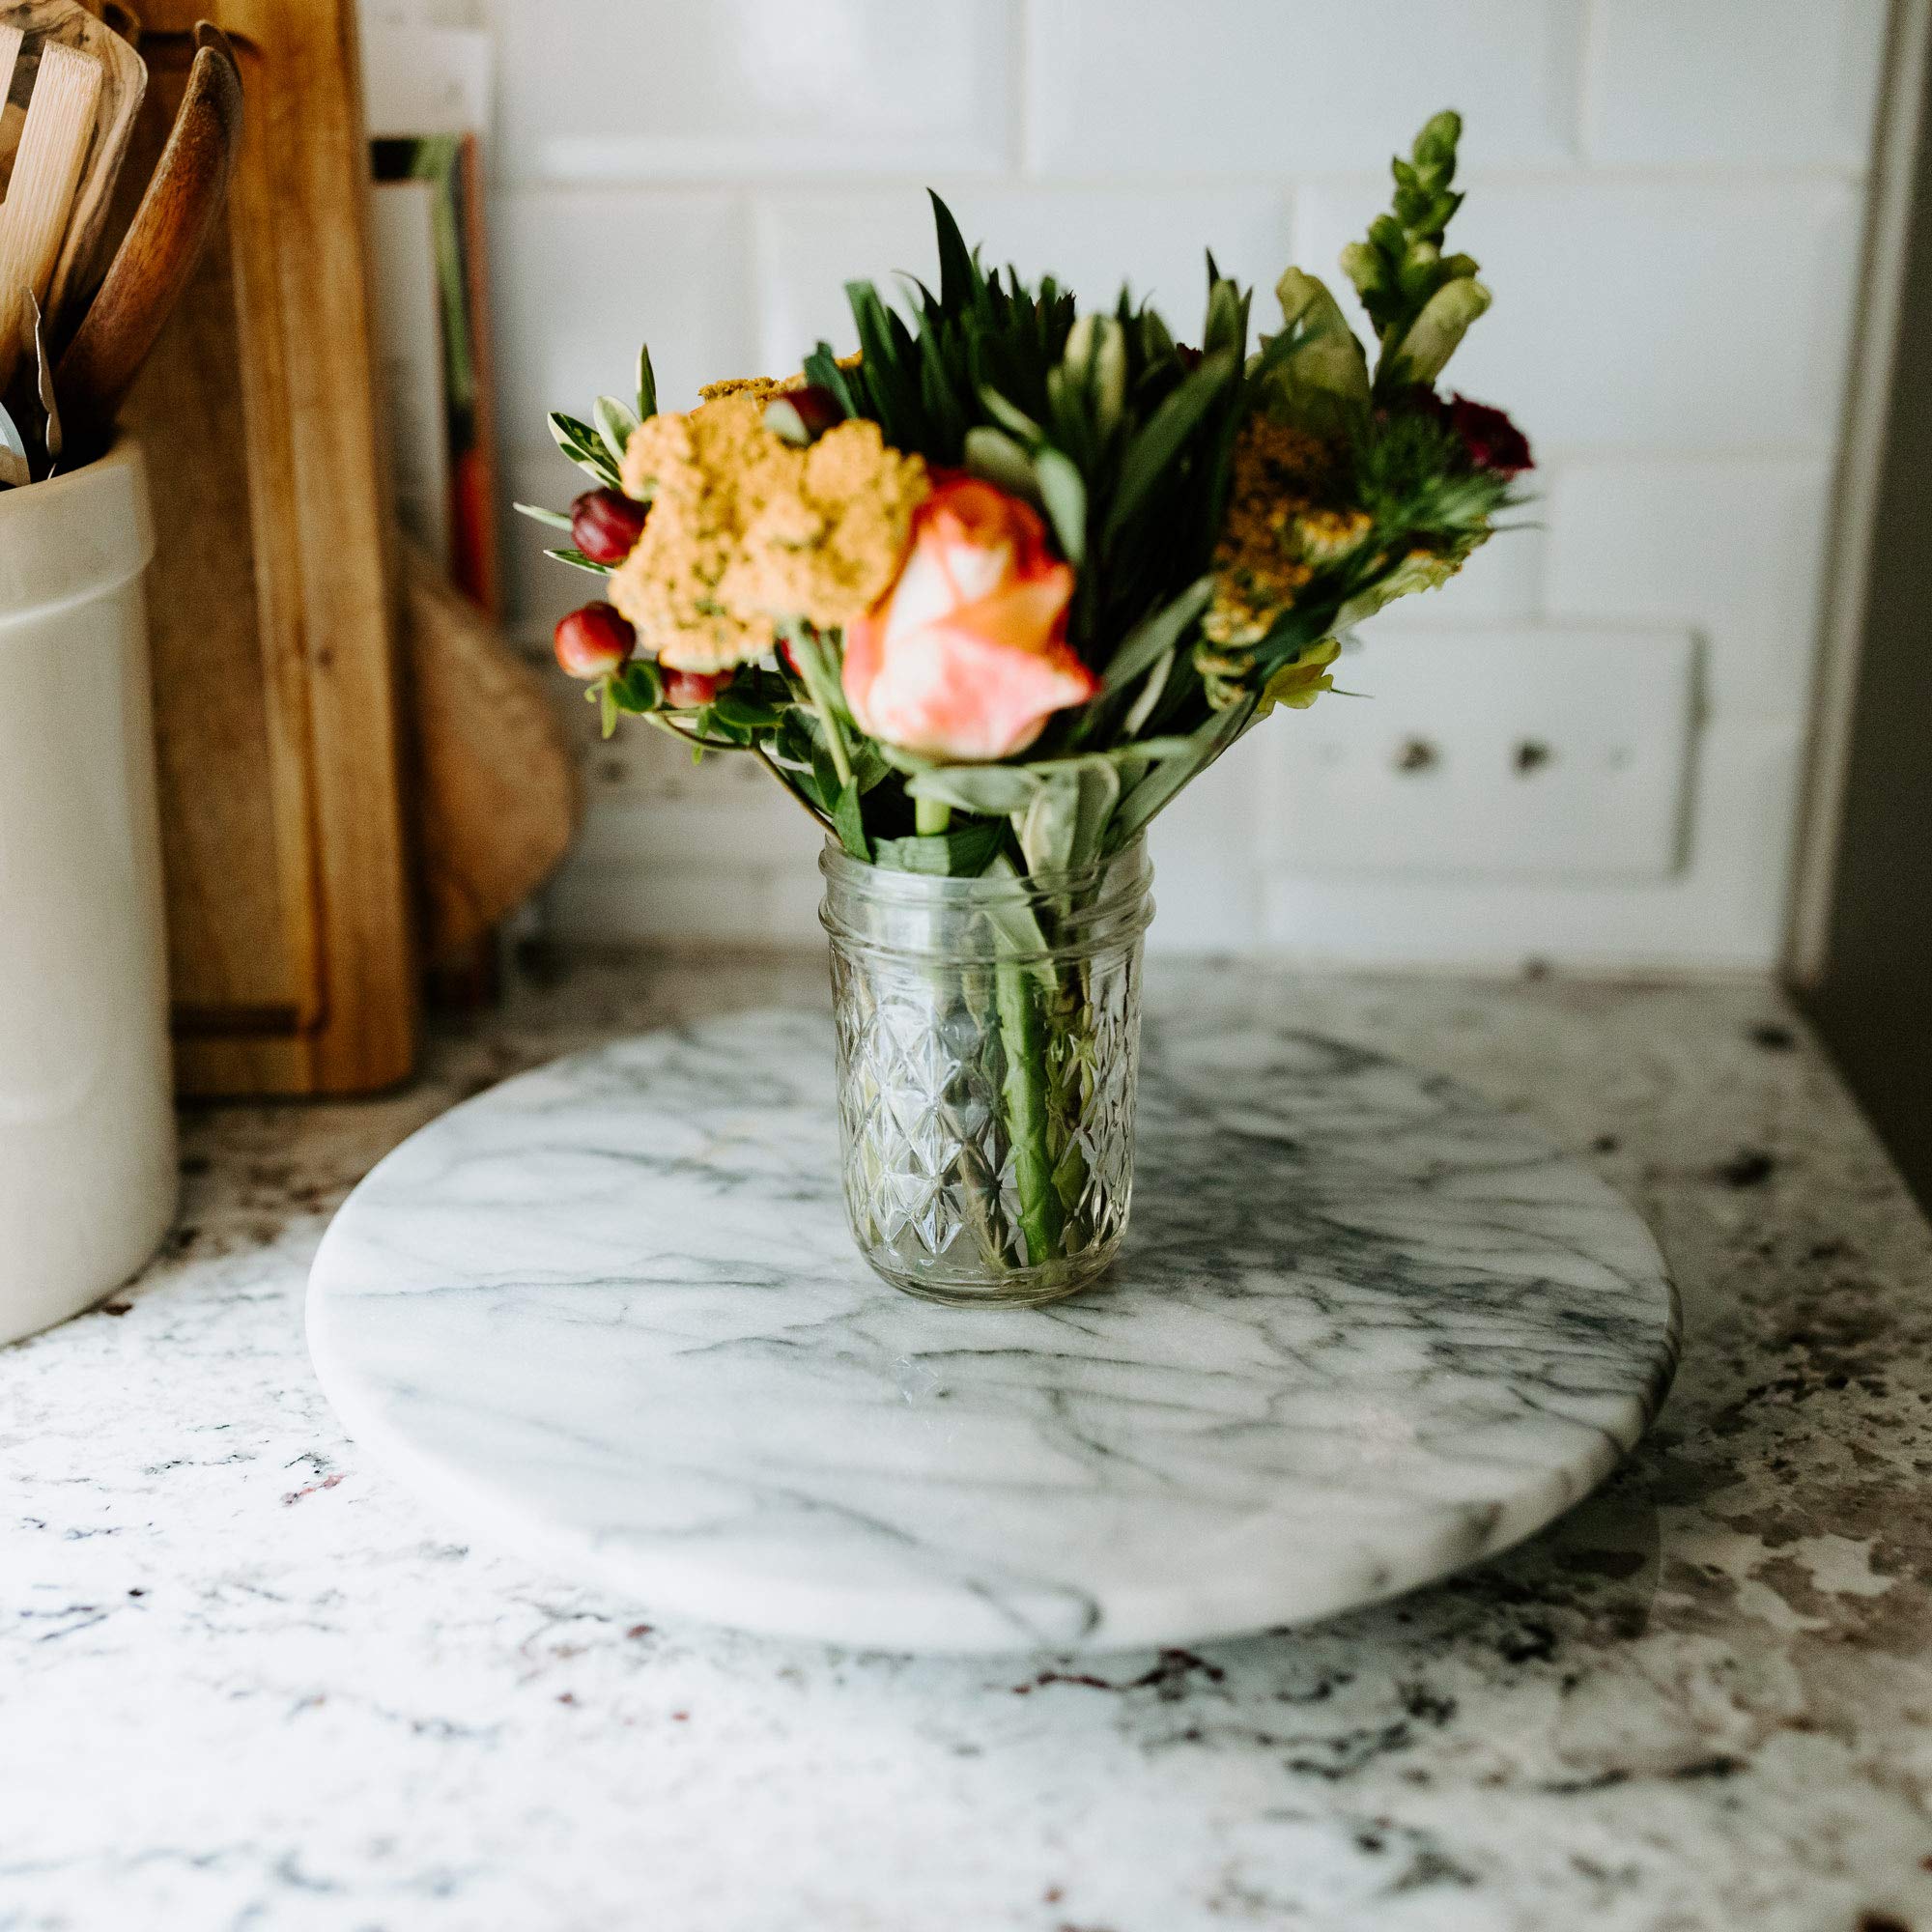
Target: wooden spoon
162 244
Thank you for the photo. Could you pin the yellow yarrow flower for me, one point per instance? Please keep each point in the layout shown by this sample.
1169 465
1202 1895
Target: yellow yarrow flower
1279 531
747 531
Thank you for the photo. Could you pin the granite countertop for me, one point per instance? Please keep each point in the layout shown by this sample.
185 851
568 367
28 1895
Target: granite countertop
251 1682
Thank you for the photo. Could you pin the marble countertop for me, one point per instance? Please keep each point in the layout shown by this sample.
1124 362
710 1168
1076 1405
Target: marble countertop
249 1682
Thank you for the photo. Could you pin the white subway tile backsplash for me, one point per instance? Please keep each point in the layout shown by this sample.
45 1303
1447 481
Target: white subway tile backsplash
629 900
731 816
1207 885
809 245
1780 83
580 276
635 90
1146 88
1735 549
1688 315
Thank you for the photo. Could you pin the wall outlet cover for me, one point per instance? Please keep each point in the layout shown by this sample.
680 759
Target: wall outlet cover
1531 752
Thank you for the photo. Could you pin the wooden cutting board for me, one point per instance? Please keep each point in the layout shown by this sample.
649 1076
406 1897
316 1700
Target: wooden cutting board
338 773
278 701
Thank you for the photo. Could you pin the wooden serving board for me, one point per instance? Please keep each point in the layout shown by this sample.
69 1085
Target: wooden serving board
277 696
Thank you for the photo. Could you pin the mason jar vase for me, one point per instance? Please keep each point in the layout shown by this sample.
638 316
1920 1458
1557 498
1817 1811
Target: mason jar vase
988 1039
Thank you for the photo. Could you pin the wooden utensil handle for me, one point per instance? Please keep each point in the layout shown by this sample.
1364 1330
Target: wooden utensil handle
165 241
46 171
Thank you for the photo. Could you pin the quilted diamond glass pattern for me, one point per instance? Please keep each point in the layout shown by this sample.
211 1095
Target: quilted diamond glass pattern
987 1035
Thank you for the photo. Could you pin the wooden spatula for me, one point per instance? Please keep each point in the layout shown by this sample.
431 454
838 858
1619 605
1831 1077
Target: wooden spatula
161 246
53 149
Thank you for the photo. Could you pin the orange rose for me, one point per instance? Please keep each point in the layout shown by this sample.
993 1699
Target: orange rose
966 656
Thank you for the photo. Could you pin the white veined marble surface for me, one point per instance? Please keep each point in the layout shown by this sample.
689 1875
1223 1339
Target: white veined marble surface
1365 1330
248 1680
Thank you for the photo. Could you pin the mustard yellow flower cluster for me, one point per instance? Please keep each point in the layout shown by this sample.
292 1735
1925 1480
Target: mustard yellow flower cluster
1279 529
746 529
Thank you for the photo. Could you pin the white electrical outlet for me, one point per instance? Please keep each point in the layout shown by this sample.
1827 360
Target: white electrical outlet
1536 753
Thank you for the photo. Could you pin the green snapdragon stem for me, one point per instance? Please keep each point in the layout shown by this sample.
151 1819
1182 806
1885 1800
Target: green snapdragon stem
1025 1088
931 815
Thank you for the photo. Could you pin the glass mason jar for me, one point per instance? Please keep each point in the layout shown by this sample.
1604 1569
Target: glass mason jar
988 1039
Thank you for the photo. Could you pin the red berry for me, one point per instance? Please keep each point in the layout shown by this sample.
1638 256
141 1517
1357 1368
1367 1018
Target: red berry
595 641
604 524
687 690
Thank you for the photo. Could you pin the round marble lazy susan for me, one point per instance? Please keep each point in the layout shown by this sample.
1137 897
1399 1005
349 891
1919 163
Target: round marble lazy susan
1365 1330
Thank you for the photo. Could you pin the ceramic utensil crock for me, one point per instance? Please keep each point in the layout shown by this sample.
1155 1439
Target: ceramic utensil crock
87 1154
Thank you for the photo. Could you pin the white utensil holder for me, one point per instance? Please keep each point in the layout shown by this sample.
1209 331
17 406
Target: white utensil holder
88 1174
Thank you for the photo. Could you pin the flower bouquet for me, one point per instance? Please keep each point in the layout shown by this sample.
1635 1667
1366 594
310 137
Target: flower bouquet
982 598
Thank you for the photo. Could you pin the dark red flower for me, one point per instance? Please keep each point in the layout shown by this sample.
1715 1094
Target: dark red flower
1492 440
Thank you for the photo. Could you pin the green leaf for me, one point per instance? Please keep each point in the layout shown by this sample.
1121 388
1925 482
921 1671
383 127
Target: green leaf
614 424
584 447
579 561
556 519
648 384
637 687
1011 417
1142 708
797 737
994 791
959 279
850 822
1062 827
822 370
1154 636
1159 439
744 710
1064 492
893 389
992 454
946 411
963 853
1225 326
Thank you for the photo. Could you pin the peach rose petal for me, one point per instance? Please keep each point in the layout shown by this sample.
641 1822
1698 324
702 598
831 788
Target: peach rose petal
952 691
965 657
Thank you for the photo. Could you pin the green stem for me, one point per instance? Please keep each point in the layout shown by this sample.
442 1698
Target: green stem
664 724
929 816
1025 1088
810 656
792 792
